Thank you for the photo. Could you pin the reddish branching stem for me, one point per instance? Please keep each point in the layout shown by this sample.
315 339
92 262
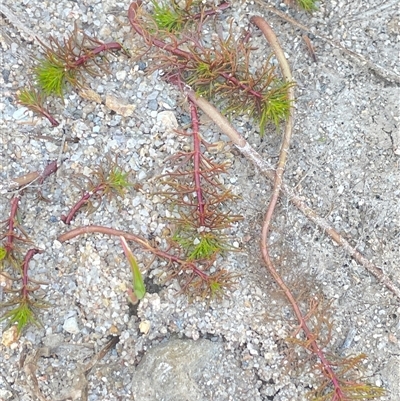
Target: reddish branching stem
25 290
196 163
151 40
94 52
328 371
11 225
207 13
45 113
184 264
78 205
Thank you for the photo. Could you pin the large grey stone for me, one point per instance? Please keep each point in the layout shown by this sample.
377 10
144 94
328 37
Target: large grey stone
171 371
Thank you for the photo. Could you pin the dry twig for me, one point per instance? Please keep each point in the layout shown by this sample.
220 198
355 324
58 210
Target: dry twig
253 156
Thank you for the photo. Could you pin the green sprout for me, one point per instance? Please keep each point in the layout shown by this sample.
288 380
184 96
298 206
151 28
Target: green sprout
23 315
167 18
52 76
33 99
276 107
117 180
199 247
3 253
308 5
139 289
215 288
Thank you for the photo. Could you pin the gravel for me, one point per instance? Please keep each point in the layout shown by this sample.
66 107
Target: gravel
344 160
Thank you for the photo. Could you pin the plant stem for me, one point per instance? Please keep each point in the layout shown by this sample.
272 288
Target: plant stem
25 266
94 52
10 236
327 366
139 240
253 156
207 13
46 114
74 210
196 163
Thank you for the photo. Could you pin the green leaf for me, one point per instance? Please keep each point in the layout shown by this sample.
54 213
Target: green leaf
166 17
139 288
308 5
3 253
22 315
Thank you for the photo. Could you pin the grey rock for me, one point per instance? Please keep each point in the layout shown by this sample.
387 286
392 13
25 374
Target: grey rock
152 105
183 370
169 371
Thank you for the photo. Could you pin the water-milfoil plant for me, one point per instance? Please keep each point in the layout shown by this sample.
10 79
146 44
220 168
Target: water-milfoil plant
110 180
307 5
220 70
24 305
195 192
34 99
68 61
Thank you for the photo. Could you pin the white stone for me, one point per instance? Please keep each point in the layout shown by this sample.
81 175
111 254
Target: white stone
20 114
167 120
71 325
121 75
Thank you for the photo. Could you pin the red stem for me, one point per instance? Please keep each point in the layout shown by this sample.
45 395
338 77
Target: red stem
48 170
132 16
241 85
196 163
25 265
220 7
68 218
46 114
8 246
94 52
132 237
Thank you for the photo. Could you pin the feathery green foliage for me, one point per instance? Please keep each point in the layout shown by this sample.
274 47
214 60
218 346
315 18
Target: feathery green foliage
118 180
276 106
200 246
167 17
23 315
51 76
220 69
33 99
3 253
307 5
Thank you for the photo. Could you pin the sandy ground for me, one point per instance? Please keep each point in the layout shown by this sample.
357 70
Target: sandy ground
344 162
